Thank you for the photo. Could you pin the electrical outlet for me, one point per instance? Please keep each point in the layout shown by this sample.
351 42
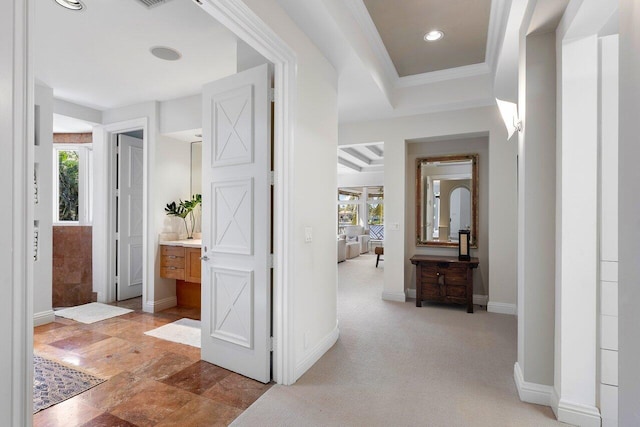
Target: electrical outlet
395 226
308 234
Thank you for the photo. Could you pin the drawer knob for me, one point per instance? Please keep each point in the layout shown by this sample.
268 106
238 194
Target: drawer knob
172 257
172 268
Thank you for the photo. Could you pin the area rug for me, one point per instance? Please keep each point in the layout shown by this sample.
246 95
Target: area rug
54 383
183 331
92 312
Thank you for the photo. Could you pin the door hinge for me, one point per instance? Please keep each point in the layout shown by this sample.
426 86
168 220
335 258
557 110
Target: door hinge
272 344
272 177
272 95
271 261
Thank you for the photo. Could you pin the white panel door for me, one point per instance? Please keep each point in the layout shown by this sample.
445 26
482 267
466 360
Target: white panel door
130 175
236 223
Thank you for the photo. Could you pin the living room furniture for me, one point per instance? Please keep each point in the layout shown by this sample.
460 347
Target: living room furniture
444 279
356 233
342 250
353 249
181 261
379 250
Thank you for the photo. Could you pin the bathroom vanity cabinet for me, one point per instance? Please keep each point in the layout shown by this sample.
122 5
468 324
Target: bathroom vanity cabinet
181 261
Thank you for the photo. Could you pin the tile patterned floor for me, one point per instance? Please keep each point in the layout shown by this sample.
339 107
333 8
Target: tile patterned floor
151 382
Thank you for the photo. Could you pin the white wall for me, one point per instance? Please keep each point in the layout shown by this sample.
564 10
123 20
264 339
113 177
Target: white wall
314 166
608 295
502 192
629 206
43 210
415 150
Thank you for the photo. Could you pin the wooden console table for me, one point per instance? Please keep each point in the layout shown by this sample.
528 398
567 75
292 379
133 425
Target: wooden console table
183 264
444 279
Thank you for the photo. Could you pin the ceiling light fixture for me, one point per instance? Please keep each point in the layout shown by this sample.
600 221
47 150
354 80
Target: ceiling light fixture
433 36
166 53
71 4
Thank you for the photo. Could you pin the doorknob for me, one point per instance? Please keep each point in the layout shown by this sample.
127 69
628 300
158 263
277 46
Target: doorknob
204 258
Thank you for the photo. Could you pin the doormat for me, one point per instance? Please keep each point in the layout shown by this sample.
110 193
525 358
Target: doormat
54 383
183 331
92 312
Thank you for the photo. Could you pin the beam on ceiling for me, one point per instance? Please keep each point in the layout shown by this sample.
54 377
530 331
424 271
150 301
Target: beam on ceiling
348 164
375 150
358 155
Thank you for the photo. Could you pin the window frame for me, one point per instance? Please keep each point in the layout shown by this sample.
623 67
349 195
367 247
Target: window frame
85 183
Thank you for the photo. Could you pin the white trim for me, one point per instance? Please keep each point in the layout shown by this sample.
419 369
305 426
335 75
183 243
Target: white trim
317 352
443 75
159 305
531 392
576 414
43 317
104 227
497 26
502 308
243 22
394 296
477 299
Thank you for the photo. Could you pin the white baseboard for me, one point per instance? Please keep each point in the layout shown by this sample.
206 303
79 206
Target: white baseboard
531 392
575 413
43 317
159 305
477 299
316 353
502 308
394 296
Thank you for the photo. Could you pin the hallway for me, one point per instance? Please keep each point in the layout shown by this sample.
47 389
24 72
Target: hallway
395 364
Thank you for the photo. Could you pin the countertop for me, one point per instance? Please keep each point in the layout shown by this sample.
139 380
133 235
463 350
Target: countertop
187 243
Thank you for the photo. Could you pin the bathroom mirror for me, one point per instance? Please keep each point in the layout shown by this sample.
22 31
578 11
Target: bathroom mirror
446 199
196 167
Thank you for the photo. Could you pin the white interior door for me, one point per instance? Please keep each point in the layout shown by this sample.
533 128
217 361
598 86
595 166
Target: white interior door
129 230
236 219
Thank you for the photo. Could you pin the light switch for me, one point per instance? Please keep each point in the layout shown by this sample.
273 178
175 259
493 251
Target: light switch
395 226
308 234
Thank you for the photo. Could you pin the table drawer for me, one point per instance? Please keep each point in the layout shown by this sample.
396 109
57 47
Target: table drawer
172 273
172 261
176 251
455 274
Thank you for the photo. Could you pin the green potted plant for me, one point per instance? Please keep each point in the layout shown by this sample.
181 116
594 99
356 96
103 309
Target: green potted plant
184 209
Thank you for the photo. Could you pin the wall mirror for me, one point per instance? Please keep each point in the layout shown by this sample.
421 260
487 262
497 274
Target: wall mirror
196 168
446 199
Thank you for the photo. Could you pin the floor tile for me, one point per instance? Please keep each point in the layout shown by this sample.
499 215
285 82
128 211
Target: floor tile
198 377
236 390
163 367
201 412
107 420
114 392
70 413
152 404
79 340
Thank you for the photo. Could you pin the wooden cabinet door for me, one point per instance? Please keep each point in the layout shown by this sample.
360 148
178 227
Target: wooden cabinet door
193 265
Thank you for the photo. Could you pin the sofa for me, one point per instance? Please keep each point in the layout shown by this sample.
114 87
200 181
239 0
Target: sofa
342 250
357 233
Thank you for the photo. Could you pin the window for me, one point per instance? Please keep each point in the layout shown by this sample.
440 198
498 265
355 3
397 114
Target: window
72 183
375 213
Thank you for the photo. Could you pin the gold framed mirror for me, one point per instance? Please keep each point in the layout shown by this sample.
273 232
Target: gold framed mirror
446 199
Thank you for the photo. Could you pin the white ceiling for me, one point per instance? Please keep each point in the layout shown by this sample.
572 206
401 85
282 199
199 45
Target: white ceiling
361 158
99 57
65 124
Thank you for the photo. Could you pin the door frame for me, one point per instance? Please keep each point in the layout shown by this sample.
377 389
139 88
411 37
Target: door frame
104 229
244 23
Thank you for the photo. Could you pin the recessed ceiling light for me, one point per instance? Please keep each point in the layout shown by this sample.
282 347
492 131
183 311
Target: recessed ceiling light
166 53
71 4
433 36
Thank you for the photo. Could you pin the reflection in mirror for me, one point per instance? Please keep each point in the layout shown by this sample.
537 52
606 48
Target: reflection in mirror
446 199
196 167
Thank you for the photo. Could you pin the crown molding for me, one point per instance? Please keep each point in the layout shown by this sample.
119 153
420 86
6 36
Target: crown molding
497 24
497 27
442 75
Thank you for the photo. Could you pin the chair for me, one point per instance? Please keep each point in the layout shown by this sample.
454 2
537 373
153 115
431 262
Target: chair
342 250
379 250
356 233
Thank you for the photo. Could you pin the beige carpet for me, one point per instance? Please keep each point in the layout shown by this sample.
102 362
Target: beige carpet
399 365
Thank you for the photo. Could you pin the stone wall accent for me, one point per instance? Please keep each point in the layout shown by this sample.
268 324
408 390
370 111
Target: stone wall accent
72 270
